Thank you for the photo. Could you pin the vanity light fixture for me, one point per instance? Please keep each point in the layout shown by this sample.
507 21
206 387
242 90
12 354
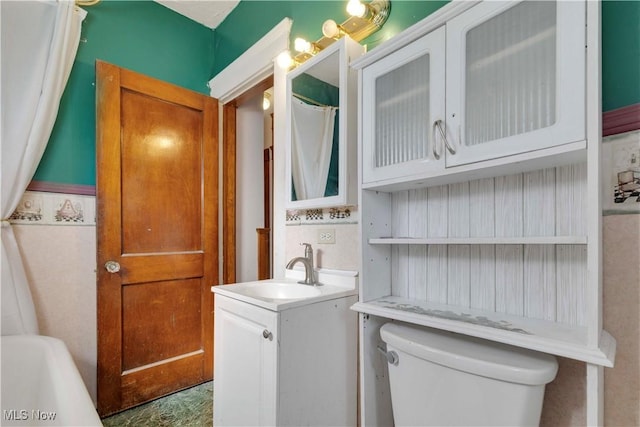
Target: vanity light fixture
366 18
356 8
284 60
331 29
303 46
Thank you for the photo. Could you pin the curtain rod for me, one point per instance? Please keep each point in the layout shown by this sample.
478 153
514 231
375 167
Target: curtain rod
312 101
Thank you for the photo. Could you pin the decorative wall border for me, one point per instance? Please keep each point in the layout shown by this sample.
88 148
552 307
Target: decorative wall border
341 215
53 187
621 173
46 208
621 120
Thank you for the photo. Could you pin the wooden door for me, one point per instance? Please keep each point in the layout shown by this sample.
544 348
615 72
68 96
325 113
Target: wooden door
157 198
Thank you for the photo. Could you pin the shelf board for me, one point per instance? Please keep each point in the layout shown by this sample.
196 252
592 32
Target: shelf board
565 154
534 240
540 335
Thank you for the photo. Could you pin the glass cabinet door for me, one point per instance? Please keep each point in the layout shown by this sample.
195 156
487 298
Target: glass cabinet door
403 100
515 78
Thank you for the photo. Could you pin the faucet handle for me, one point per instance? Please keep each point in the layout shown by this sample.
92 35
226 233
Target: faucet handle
308 250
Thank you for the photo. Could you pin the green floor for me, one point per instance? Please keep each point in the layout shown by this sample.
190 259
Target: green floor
191 407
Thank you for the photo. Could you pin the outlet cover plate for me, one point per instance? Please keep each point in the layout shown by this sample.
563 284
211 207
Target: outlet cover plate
326 236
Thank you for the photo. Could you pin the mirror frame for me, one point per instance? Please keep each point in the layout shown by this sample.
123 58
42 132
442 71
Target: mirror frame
347 50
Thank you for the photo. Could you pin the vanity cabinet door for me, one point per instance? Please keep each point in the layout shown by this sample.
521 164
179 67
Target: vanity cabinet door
515 78
403 104
245 366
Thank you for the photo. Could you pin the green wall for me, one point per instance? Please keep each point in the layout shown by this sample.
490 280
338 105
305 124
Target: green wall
620 54
257 17
148 38
620 35
138 35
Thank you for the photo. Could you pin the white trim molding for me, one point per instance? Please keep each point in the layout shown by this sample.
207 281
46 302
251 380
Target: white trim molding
253 66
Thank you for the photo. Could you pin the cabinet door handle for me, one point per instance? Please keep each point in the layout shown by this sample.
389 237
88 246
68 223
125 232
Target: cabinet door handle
434 145
267 335
443 134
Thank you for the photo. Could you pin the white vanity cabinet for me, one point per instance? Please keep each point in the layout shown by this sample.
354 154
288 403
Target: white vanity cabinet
496 232
248 357
498 80
290 367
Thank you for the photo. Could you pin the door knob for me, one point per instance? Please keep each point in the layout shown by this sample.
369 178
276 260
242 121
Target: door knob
267 335
112 266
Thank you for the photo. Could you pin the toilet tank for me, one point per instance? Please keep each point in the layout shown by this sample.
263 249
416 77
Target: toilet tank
442 378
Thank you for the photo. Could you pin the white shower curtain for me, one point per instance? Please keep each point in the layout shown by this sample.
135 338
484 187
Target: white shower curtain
311 143
39 44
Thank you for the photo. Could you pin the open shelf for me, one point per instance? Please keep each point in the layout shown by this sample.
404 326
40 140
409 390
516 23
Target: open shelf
534 240
535 334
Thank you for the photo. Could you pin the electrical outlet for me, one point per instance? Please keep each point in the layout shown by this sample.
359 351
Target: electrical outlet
326 236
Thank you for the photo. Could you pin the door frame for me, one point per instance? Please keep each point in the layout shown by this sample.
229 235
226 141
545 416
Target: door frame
253 69
229 169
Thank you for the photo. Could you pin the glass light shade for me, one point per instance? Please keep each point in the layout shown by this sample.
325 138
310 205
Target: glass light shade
356 8
301 45
284 60
330 29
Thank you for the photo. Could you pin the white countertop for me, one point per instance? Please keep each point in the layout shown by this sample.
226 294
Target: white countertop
335 284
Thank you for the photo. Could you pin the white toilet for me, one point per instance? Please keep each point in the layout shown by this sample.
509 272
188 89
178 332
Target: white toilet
440 378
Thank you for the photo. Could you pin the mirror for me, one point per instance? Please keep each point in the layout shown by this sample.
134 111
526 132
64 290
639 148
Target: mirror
321 129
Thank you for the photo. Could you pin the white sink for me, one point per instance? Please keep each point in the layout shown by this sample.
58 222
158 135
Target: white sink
280 291
286 293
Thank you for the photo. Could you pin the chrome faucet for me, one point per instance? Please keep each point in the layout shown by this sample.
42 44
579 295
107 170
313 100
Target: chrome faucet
307 261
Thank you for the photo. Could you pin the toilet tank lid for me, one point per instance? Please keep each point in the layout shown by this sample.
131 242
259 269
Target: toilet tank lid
470 354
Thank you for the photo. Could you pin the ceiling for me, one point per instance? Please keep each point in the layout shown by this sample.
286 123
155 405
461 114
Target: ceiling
209 13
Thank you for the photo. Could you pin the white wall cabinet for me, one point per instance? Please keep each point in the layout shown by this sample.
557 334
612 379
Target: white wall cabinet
514 84
403 97
323 81
516 78
497 236
288 368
